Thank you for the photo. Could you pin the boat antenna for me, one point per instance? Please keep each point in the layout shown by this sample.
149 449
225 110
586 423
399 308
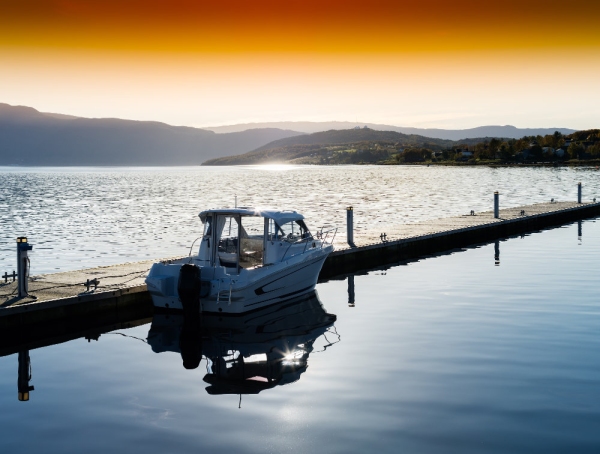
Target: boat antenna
235 201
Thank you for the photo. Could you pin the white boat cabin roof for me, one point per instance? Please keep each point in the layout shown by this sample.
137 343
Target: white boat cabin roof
279 216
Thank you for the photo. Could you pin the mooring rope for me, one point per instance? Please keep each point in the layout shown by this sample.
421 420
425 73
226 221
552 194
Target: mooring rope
57 285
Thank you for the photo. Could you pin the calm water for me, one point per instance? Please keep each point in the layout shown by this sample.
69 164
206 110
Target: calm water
83 217
450 354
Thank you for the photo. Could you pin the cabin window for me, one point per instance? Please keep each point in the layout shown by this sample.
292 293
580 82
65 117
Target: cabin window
208 226
271 230
229 227
227 234
252 240
293 231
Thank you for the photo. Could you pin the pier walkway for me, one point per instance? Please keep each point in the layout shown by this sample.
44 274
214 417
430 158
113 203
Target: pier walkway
409 241
440 226
121 288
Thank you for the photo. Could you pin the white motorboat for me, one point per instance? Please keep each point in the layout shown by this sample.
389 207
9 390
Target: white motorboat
248 259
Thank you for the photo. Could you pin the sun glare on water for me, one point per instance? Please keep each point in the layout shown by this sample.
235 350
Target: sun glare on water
275 167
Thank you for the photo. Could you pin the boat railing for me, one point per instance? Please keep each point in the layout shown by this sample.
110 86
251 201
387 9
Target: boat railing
322 235
306 242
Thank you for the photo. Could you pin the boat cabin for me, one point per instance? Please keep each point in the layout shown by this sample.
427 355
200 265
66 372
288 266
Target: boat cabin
247 238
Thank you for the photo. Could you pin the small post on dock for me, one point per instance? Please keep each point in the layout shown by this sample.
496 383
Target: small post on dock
496 205
579 192
351 290
23 265
350 225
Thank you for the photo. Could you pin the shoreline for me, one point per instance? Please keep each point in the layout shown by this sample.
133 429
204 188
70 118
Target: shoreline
590 163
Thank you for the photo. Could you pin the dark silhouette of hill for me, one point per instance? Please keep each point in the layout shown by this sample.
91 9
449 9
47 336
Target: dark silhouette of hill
509 132
293 148
29 137
354 135
367 146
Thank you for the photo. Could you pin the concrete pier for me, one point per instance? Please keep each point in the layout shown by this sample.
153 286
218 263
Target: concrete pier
63 297
430 237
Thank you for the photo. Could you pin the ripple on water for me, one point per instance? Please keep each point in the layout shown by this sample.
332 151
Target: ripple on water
152 212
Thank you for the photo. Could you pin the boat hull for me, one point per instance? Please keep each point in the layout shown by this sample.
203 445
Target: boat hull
235 294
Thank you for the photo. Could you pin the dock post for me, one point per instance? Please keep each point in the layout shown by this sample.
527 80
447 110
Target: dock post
496 205
351 296
579 192
23 265
350 225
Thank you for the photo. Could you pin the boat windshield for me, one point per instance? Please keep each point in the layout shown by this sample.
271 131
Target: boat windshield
290 231
247 241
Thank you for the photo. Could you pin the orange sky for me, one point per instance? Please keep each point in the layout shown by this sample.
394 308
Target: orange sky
201 63
300 26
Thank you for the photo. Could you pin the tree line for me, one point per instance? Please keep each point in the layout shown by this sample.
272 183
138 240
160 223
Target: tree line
579 146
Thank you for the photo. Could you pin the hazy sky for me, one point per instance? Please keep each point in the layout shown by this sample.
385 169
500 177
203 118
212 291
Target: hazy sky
425 63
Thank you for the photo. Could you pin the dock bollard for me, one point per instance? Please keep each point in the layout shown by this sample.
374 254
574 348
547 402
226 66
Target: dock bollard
496 205
23 265
579 192
350 225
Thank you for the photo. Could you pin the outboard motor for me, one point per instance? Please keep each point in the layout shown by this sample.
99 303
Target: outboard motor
190 340
188 287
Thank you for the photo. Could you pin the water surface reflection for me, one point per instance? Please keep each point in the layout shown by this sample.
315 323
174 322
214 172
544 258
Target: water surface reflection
444 354
250 353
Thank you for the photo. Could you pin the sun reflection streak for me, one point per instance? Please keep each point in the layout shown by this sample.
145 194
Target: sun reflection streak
294 358
274 167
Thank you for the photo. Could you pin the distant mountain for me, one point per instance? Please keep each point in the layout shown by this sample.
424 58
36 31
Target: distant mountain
29 137
368 146
509 132
311 148
355 135
32 138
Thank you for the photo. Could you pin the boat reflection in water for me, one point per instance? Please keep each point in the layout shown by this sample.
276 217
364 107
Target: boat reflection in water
247 353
